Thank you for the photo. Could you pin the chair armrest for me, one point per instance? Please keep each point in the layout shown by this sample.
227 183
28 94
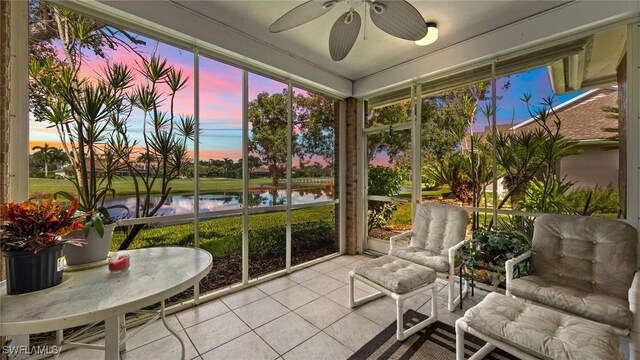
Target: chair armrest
403 235
510 265
452 255
634 302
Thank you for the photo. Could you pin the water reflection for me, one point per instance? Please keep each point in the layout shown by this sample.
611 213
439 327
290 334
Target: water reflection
183 204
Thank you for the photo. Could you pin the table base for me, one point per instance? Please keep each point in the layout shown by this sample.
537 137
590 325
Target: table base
116 335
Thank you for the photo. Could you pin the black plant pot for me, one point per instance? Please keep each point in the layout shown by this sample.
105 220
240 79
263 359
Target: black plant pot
27 272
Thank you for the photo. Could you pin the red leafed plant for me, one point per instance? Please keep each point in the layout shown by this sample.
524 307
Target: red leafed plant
33 226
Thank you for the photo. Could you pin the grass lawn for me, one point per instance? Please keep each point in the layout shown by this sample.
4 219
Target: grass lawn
218 236
39 187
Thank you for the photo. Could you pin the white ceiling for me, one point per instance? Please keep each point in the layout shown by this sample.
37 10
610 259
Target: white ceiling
457 22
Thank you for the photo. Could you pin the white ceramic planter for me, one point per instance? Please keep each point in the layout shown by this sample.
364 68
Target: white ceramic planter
96 249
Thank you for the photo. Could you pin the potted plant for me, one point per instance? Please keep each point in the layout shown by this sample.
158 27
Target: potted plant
98 227
485 255
31 240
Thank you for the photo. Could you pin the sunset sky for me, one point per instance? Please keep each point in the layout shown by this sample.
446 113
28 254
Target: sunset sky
221 98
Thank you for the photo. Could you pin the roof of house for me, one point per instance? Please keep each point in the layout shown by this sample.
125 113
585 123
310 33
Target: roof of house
582 117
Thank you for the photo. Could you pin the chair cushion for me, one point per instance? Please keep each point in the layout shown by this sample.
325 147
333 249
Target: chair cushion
602 308
542 332
439 263
437 227
396 275
588 253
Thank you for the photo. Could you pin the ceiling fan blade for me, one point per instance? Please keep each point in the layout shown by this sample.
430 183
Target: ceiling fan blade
301 14
399 19
343 35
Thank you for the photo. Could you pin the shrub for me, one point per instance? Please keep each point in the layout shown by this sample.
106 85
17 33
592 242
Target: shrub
271 241
383 181
601 200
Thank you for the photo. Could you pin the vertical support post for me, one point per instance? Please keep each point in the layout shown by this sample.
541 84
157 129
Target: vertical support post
633 169
196 161
633 125
245 177
416 148
362 170
18 169
494 133
342 165
351 175
289 164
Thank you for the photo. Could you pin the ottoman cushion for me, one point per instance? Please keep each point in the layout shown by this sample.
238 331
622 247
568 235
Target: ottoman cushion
542 332
599 307
396 275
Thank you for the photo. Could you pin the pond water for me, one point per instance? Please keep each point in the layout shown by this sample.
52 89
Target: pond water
183 204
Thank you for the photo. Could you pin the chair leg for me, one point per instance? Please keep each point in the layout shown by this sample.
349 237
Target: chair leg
399 320
451 305
401 333
453 300
634 345
352 301
351 290
459 340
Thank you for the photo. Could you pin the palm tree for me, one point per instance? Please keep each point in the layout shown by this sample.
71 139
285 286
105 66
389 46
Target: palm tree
50 155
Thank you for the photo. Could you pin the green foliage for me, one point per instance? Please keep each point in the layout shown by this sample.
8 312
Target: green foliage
547 196
383 181
271 240
557 196
596 200
453 171
490 249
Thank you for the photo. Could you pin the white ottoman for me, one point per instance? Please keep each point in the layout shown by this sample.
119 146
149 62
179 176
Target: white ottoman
398 279
533 332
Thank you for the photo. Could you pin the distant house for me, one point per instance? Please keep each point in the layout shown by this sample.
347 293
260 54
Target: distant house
584 121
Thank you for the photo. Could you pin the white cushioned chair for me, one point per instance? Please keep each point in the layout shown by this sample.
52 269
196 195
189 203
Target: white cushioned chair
438 232
584 266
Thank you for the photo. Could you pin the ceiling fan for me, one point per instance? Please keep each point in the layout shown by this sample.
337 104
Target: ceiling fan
395 17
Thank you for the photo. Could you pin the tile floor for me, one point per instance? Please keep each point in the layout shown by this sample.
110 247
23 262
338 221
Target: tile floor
304 315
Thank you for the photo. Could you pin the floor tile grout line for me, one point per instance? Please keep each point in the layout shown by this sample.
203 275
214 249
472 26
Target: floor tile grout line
200 322
243 334
251 302
291 311
265 341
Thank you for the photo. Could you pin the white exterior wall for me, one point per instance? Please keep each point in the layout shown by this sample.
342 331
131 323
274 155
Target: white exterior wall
594 166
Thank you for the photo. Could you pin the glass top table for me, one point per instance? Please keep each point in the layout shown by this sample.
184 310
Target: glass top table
94 295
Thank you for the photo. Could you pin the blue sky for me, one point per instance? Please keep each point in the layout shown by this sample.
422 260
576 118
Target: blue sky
511 108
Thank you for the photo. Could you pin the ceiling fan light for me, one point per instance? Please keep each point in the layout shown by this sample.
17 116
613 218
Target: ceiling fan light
431 37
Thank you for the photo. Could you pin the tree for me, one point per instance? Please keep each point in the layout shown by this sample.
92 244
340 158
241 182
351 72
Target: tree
268 115
313 121
48 155
253 162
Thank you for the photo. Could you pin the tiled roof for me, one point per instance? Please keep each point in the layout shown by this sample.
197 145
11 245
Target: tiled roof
582 117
